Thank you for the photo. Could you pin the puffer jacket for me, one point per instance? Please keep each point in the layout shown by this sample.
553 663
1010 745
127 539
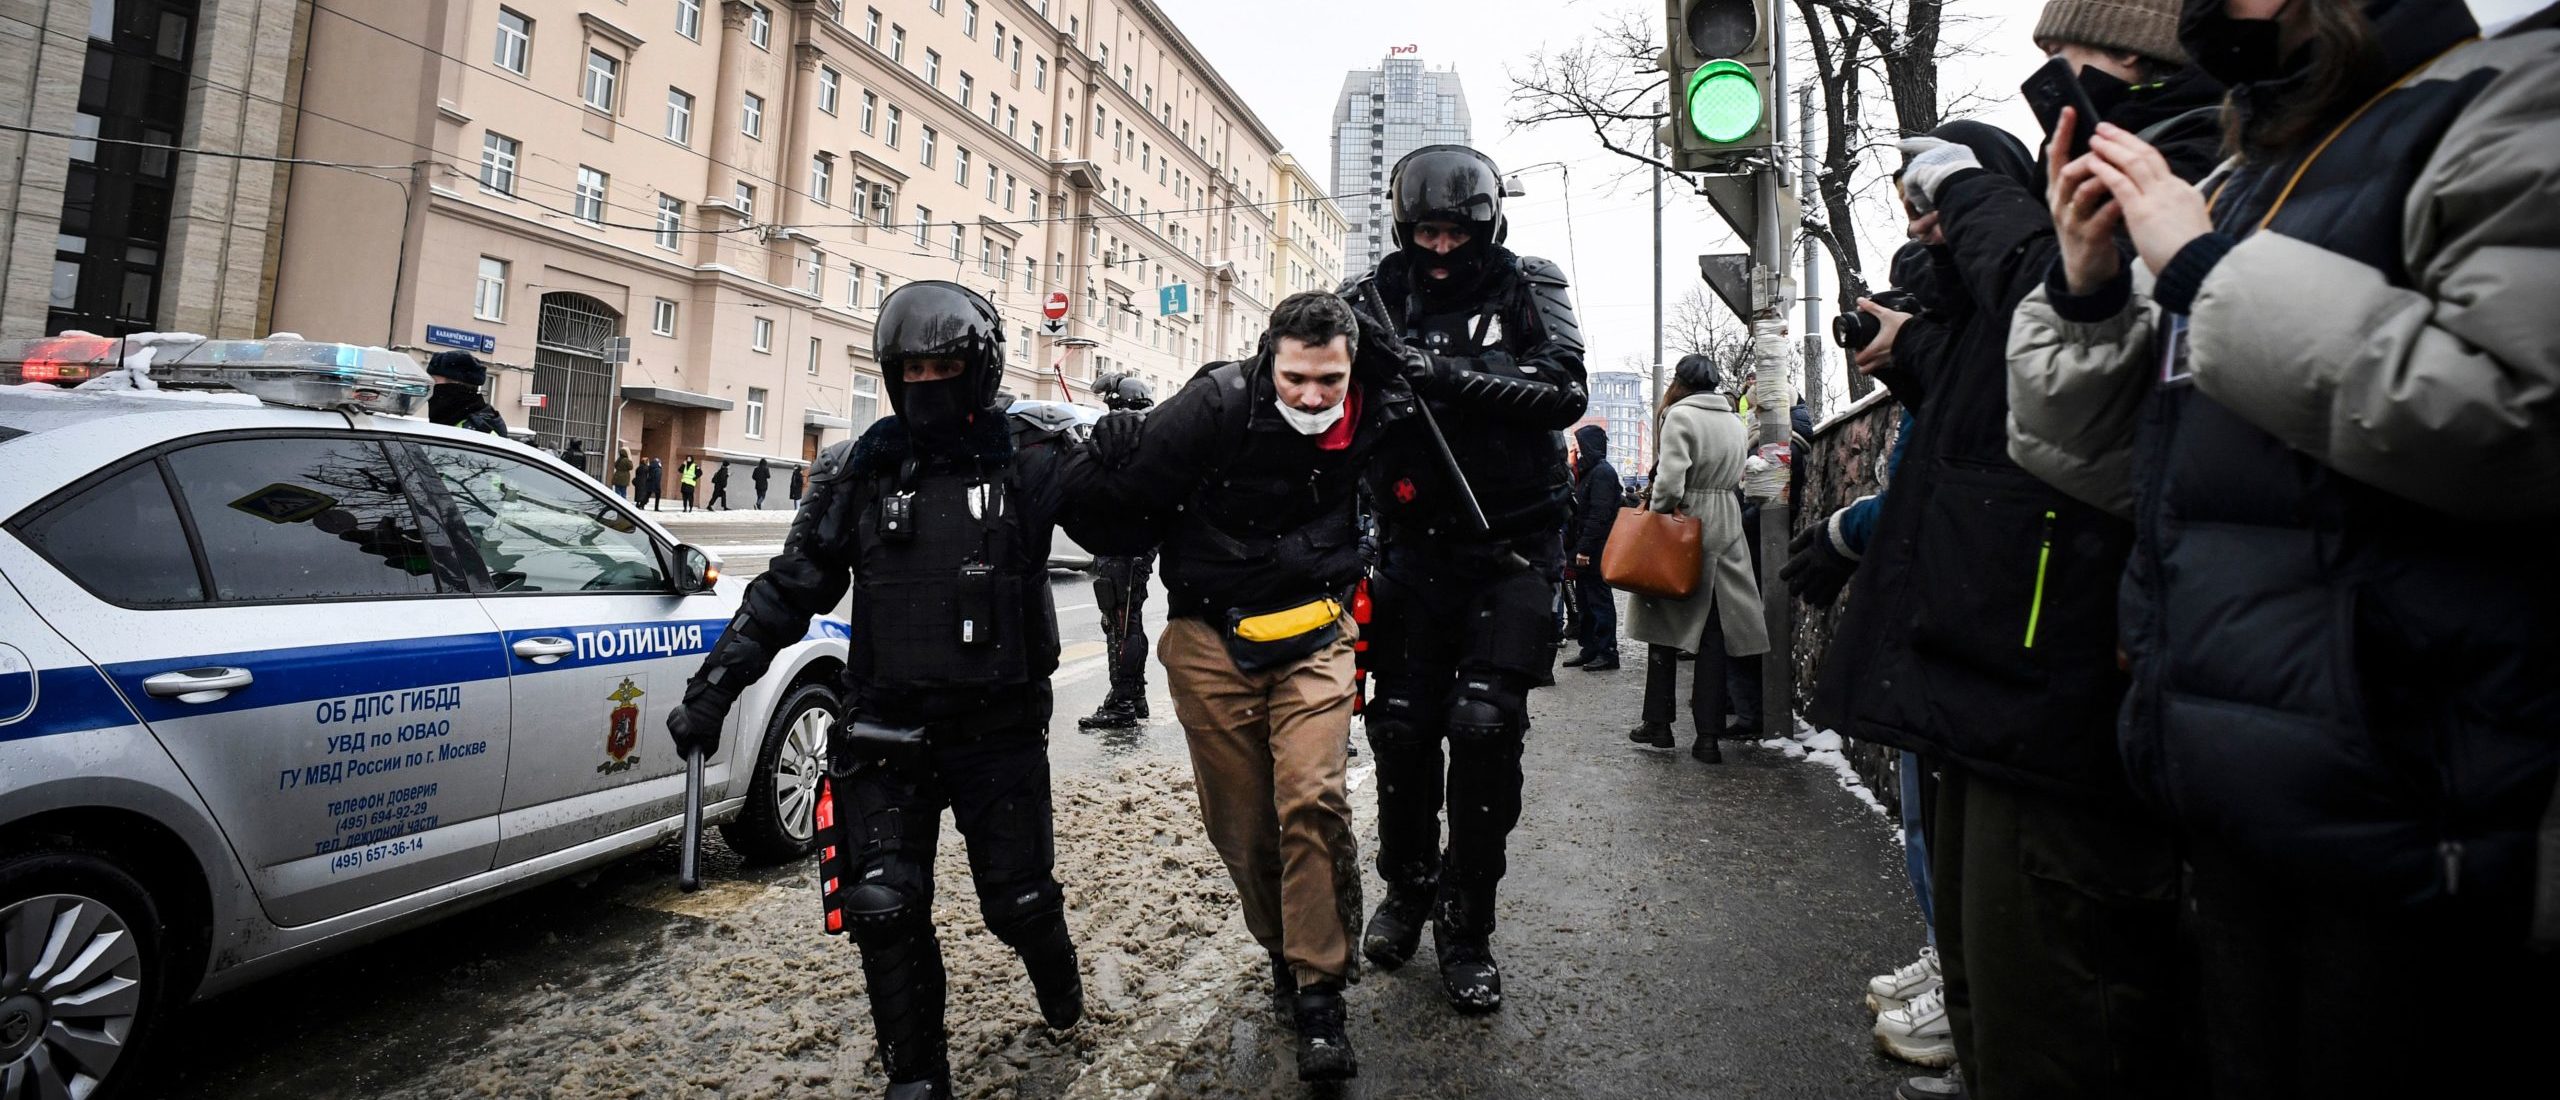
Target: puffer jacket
2340 603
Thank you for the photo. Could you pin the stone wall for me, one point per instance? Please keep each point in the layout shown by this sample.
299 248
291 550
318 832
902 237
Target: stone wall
1845 461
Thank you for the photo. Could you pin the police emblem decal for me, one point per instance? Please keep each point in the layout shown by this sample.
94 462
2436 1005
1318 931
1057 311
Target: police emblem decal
622 729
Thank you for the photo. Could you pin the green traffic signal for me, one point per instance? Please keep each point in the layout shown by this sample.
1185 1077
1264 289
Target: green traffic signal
1724 101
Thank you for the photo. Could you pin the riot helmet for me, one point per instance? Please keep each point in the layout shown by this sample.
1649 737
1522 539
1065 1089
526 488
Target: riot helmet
1122 390
933 319
1448 183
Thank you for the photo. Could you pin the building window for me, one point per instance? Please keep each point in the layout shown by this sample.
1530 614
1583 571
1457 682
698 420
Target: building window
1040 74
960 164
991 184
1035 204
814 280
498 162
1012 119
861 197
924 218
746 200
662 317
515 40
933 67
897 43
489 298
679 117
1008 192
603 74
986 255
896 116
670 221
879 288
752 121
755 404
689 19
822 177
870 111
959 242
761 335
1035 140
827 83
924 146
1030 273
589 206
813 350
853 286
866 401
871 27
1017 57
760 25
937 6
967 88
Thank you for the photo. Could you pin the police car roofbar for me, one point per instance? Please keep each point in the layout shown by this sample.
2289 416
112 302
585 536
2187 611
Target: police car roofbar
300 373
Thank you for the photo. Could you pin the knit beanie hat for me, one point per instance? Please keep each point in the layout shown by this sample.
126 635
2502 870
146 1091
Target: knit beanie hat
2145 27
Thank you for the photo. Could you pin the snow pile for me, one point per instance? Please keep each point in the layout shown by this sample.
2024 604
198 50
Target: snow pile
139 350
1823 747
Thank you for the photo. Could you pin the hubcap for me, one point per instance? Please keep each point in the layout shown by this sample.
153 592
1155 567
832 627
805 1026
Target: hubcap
70 989
796 770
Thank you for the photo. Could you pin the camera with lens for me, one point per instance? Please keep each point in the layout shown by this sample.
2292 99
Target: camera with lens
1854 331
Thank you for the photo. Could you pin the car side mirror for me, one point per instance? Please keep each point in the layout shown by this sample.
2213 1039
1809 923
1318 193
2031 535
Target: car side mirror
695 571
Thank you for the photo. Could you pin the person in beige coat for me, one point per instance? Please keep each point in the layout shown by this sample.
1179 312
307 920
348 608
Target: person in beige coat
1695 470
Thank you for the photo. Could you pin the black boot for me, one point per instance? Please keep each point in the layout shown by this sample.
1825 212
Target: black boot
1117 712
1705 751
1056 981
936 1087
1656 734
902 967
1395 930
1606 661
1468 975
1324 1045
1579 659
1284 990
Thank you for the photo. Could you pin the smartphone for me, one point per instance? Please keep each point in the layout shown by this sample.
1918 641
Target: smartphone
2053 87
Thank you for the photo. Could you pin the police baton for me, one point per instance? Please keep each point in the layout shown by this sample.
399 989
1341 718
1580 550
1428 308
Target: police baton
1431 424
689 860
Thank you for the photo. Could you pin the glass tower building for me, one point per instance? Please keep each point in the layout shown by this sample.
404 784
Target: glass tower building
1384 113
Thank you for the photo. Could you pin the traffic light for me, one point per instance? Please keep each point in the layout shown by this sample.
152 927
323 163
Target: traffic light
1718 60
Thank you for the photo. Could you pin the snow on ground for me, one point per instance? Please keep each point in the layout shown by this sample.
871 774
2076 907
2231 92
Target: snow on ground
1823 747
779 510
750 1000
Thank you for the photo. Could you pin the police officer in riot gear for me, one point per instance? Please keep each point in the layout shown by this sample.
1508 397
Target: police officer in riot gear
942 530
1463 623
1120 591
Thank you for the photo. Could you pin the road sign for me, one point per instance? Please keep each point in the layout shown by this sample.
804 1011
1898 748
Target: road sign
1173 298
1056 310
1053 326
617 349
480 342
1729 275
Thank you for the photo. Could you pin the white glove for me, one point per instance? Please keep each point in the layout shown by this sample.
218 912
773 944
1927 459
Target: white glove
1927 165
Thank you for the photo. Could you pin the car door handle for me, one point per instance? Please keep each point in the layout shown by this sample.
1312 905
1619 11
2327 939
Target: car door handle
197 685
545 650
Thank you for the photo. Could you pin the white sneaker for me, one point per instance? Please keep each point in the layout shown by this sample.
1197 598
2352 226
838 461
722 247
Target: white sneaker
1918 1032
1890 991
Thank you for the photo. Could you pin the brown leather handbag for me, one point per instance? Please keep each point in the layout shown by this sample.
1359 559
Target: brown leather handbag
1655 554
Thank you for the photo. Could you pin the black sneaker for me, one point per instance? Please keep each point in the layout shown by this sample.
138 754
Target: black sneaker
1395 930
1606 662
1468 974
1324 1045
1115 713
1656 734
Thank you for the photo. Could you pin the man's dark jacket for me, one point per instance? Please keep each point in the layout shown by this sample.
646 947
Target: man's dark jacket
1595 505
1982 624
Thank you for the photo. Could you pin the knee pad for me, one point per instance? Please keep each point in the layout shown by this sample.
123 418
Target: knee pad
1395 720
1022 911
874 908
1486 708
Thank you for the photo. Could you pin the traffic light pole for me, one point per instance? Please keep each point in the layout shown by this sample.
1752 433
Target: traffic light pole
1772 398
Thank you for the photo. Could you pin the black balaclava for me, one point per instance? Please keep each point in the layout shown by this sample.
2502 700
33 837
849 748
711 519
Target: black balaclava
1450 183
937 414
449 402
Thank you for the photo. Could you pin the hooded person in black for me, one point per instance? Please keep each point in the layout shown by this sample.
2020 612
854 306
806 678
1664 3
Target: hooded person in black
1595 509
456 400
1982 633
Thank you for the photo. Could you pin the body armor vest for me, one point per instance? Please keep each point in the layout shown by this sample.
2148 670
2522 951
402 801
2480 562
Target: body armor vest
947 591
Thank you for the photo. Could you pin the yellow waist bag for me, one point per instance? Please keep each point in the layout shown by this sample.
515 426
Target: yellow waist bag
1259 640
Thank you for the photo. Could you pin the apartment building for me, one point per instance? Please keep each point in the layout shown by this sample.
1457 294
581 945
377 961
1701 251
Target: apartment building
1308 233
669 224
109 221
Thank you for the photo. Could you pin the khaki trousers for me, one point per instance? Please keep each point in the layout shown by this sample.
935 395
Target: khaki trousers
1267 753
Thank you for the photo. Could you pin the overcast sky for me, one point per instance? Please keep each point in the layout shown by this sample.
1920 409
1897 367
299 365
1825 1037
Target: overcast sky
1287 61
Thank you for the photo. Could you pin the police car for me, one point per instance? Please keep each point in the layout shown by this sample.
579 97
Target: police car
283 670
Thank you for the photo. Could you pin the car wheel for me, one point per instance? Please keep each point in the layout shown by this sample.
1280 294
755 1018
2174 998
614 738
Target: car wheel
779 823
83 975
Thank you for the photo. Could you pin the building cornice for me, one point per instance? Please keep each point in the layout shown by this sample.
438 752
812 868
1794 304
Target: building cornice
599 27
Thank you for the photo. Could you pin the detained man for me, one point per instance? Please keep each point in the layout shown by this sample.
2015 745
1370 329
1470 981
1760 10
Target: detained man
1255 467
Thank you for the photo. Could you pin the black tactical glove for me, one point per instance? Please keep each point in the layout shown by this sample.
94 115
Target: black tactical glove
1115 438
1380 353
1816 570
695 724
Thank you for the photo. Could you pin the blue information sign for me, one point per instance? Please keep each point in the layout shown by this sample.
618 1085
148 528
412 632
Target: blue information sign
1172 299
480 342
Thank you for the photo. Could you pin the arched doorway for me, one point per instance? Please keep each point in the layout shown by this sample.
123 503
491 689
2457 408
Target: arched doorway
569 367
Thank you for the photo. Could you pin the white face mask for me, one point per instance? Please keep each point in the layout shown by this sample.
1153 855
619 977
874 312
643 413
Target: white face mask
1309 423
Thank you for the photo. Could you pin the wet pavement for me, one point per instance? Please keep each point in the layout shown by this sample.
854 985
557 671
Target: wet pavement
1669 929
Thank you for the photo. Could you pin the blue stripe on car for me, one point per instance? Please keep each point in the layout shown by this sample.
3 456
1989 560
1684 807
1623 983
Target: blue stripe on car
70 700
